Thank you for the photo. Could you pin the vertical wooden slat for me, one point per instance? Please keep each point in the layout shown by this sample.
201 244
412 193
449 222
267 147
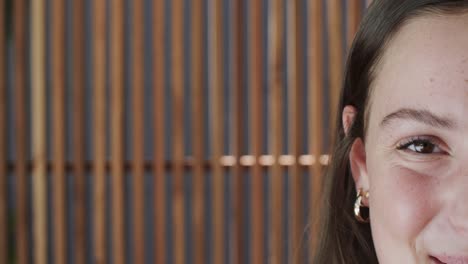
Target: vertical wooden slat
78 131
117 124
354 16
276 83
335 55
38 117
198 132
22 219
315 114
138 132
295 86
58 89
216 90
99 130
238 106
4 247
178 128
256 106
159 173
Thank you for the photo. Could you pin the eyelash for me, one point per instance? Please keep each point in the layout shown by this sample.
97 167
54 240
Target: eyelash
419 140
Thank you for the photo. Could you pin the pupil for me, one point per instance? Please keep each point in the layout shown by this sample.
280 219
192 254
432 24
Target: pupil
424 147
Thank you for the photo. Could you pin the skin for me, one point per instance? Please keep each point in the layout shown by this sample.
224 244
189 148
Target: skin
418 201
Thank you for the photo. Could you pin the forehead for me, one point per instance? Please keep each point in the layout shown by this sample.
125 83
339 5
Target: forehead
424 66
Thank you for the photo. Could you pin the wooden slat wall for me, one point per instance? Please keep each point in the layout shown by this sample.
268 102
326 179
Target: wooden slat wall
38 115
335 36
58 89
178 198
269 241
256 132
198 99
22 217
315 115
4 246
158 162
216 91
117 125
78 81
138 133
238 134
354 17
296 93
99 133
276 83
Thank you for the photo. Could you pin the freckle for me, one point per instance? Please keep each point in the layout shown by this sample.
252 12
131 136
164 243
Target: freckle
432 79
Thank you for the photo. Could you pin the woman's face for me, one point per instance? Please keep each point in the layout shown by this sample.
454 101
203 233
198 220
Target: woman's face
415 164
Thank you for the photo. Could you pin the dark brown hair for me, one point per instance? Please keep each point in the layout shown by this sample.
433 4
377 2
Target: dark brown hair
342 239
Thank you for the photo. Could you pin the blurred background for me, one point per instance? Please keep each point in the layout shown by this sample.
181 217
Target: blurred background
167 131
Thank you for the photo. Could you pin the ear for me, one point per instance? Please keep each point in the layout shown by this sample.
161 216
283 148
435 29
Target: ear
357 154
357 158
348 116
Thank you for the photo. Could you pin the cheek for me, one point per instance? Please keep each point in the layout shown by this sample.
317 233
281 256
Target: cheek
401 204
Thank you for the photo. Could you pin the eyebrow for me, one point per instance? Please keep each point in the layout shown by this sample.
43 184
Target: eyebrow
419 115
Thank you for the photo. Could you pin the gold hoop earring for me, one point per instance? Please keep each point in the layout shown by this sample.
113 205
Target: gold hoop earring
358 205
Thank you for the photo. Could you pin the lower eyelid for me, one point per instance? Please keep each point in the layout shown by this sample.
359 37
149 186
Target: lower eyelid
412 156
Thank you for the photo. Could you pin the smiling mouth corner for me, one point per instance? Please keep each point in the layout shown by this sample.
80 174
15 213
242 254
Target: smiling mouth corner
436 260
448 260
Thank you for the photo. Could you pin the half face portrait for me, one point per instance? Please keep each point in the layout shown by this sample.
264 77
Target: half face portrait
397 187
414 161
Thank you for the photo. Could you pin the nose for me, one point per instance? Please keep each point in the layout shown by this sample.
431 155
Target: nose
459 222
458 218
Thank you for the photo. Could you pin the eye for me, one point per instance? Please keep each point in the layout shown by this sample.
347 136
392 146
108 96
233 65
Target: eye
421 146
